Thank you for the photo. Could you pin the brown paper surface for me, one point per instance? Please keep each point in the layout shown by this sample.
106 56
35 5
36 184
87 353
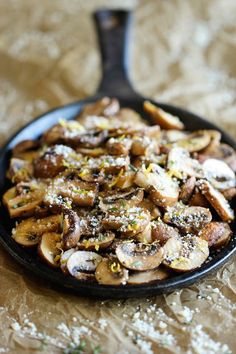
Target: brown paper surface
181 52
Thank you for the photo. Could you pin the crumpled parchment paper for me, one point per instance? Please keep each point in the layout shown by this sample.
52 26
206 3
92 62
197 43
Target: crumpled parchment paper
181 52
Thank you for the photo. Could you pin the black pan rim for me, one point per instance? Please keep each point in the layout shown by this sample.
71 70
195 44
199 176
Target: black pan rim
106 291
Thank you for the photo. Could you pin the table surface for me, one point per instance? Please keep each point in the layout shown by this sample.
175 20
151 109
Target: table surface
181 52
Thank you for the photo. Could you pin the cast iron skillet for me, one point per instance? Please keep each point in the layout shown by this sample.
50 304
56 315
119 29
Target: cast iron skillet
112 27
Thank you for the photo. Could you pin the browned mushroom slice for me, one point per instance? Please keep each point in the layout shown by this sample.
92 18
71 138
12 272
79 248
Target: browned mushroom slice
139 256
119 145
198 199
112 164
148 204
186 254
222 152
189 219
143 145
194 142
125 179
146 235
49 248
219 174
187 190
27 155
25 145
82 263
71 229
96 152
104 107
129 222
215 140
111 272
24 204
162 232
64 259
217 200
162 118
181 165
28 232
229 194
114 201
164 191
129 115
19 170
216 234
95 243
150 276
52 161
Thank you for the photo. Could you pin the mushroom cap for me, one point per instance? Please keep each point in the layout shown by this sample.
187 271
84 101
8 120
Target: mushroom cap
71 229
97 242
49 248
186 254
219 174
149 276
187 189
216 233
110 272
121 199
64 258
181 165
83 261
161 232
139 256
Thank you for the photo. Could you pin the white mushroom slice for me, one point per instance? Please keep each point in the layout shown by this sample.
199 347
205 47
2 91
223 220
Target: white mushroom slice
187 190
217 200
219 174
162 232
143 145
153 209
186 254
189 219
119 145
216 234
125 179
28 232
83 262
49 248
139 256
111 272
96 243
64 258
71 229
164 191
149 276
181 165
171 136
162 118
121 200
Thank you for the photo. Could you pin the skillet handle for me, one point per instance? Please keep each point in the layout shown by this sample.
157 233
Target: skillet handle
113 29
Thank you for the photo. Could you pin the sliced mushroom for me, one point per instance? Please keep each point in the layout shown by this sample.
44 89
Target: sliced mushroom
219 174
139 256
71 229
125 179
24 204
119 146
64 259
171 136
162 118
52 161
129 115
96 152
111 272
194 142
187 190
20 170
181 165
24 146
216 234
215 140
186 254
149 276
96 243
121 200
162 232
198 199
188 219
105 107
28 232
82 263
229 194
128 222
49 248
164 191
143 146
148 204
217 200
146 235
